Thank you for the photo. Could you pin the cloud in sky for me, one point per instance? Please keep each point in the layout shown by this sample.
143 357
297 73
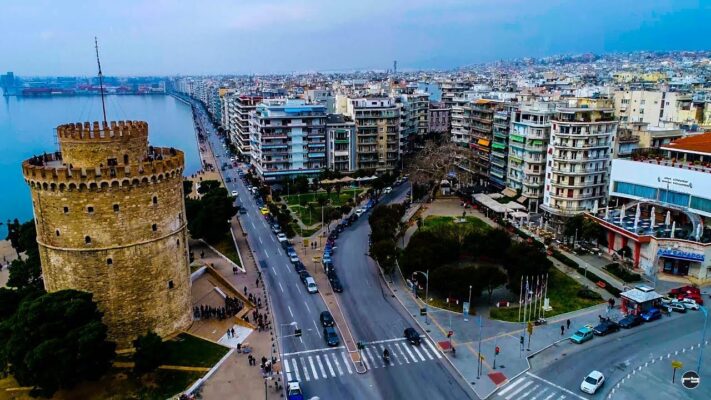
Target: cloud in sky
44 37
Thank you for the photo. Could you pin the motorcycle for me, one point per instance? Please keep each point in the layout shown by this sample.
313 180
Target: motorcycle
386 358
540 321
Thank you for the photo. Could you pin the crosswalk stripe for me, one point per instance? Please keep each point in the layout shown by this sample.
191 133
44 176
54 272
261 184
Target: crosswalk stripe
511 386
347 363
338 365
539 394
313 368
371 360
427 353
364 357
296 369
328 364
306 369
404 357
320 366
561 397
434 349
549 396
286 368
407 348
515 392
529 391
415 348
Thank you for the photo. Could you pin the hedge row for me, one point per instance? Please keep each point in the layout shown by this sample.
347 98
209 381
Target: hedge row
618 271
590 275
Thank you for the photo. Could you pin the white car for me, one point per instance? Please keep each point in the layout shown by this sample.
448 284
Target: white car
294 258
234 193
387 190
282 237
311 285
592 382
690 304
359 211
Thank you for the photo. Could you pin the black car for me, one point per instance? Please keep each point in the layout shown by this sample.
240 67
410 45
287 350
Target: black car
330 336
326 319
299 266
335 282
412 336
630 321
303 275
606 326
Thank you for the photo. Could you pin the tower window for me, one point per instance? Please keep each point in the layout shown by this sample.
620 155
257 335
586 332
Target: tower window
154 227
90 209
109 261
155 199
116 208
125 158
178 242
66 209
170 284
87 239
57 232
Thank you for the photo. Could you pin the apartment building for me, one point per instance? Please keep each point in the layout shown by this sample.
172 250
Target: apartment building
288 138
438 118
239 108
578 159
482 131
341 143
656 107
377 122
499 147
451 90
528 142
413 118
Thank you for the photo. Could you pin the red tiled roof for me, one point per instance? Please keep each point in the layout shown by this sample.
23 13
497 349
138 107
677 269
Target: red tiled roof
697 143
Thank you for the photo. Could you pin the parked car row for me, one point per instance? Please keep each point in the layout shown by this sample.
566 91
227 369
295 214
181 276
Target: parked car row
686 293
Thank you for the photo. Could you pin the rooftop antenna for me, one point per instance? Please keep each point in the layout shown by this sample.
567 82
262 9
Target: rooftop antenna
101 80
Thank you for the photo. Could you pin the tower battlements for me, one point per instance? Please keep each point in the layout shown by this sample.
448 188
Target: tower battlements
49 171
115 130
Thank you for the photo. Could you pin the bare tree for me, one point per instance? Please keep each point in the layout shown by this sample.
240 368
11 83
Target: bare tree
435 160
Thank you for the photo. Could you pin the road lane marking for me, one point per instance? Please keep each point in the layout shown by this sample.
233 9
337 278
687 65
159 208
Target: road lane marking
511 386
539 394
290 313
307 308
273 240
556 386
296 369
365 359
338 365
306 370
254 226
434 350
320 366
415 348
281 287
279 251
549 396
517 391
266 253
260 241
531 390
397 346
347 363
317 331
313 367
328 364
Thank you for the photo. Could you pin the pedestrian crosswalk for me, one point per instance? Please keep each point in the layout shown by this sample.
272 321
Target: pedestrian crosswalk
531 387
332 363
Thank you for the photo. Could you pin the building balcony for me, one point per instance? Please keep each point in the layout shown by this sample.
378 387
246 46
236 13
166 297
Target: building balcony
582 146
578 171
577 185
579 159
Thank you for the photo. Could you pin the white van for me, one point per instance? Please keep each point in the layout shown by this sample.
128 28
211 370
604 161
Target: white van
311 285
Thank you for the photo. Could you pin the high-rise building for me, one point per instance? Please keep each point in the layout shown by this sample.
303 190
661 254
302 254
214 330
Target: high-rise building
377 122
288 138
578 159
110 219
482 131
413 118
241 108
499 147
528 142
340 140
438 119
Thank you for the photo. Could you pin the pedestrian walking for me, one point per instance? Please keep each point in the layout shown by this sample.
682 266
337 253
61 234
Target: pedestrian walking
256 282
245 290
233 332
562 330
567 324
228 333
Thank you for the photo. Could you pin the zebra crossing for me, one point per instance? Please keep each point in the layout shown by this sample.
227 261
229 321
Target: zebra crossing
332 363
531 387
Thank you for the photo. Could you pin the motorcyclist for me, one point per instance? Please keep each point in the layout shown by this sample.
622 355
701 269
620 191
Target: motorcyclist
386 354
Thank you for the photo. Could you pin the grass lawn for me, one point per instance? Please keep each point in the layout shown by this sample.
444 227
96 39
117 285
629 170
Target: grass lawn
191 351
434 221
563 296
306 232
226 246
307 218
336 199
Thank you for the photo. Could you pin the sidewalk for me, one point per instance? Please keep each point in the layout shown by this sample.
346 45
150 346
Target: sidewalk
511 361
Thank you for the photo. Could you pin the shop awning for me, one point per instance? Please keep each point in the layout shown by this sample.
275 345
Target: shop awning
483 142
516 138
498 145
681 255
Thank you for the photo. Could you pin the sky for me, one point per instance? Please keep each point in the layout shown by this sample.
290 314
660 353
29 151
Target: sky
170 37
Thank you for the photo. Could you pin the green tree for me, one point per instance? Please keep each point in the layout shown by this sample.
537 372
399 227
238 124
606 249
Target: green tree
491 277
208 217
55 341
26 273
208 186
573 226
497 242
385 252
149 352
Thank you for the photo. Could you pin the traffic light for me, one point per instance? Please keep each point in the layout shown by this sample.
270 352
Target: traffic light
521 339
360 345
497 350
449 334
297 332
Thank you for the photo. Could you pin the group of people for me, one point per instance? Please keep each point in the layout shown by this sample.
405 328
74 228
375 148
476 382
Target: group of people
232 307
261 320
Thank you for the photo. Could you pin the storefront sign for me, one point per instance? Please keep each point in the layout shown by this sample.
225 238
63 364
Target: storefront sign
681 255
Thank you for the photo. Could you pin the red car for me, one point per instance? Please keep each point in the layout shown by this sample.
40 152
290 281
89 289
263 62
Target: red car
690 295
685 290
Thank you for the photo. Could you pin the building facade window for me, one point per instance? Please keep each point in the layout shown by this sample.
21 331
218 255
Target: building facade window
109 261
636 190
66 209
90 209
87 239
154 227
116 208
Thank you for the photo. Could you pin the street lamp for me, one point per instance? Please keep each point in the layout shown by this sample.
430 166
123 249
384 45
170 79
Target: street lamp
469 303
427 291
